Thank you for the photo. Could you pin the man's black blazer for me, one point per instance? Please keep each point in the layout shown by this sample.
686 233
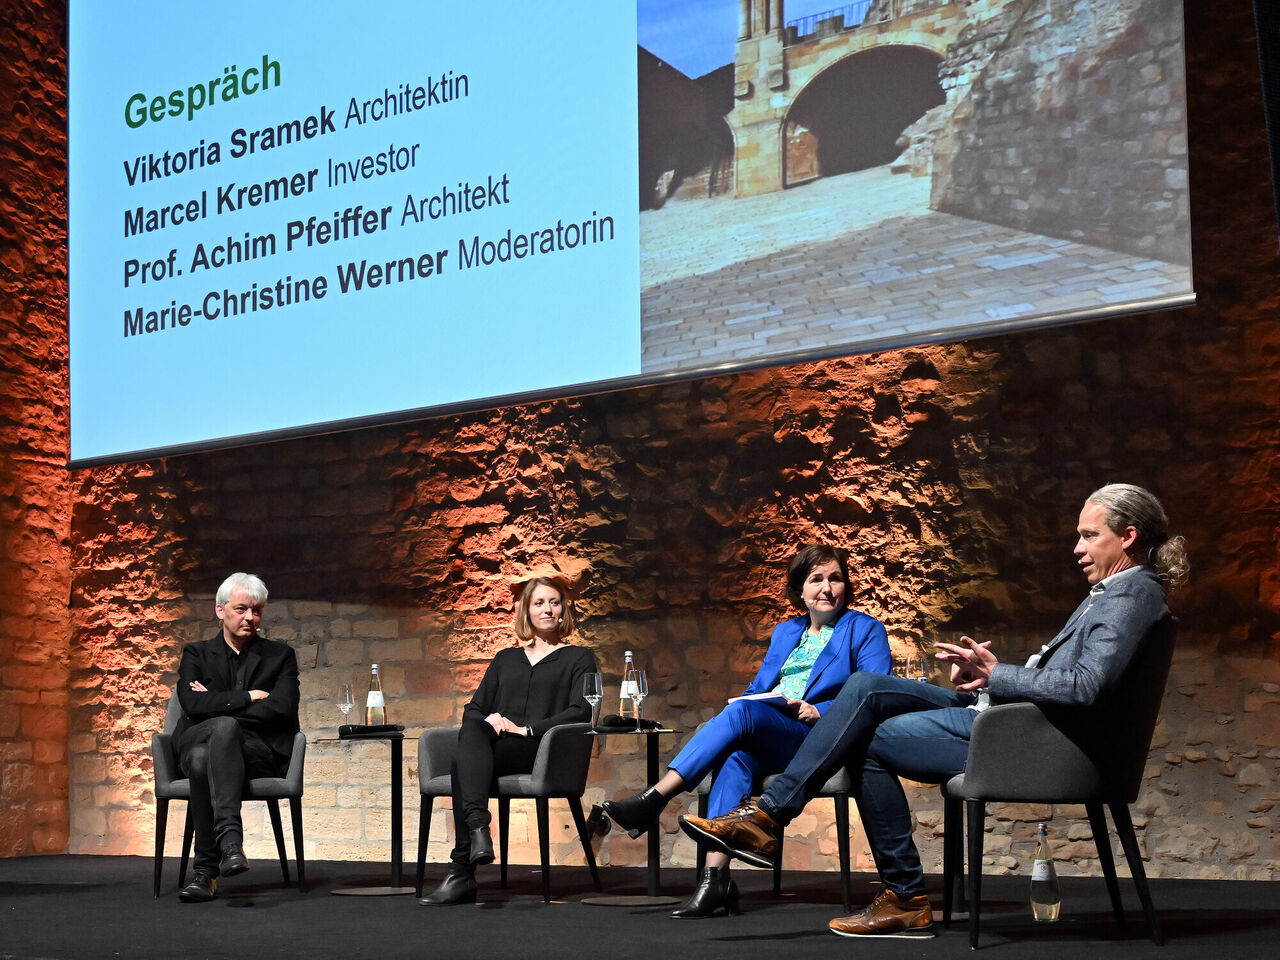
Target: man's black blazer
271 666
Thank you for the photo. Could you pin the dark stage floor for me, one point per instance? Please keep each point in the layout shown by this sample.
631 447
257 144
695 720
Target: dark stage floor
53 908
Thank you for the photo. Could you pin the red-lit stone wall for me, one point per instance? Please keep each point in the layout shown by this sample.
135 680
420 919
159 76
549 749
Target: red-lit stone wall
35 490
953 473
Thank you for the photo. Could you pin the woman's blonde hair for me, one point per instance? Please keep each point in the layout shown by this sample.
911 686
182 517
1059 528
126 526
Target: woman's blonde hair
524 628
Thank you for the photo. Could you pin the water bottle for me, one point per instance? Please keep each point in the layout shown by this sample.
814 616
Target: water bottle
1045 899
375 705
627 707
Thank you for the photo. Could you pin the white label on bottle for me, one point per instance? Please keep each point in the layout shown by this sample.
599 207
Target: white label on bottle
375 699
628 690
1040 870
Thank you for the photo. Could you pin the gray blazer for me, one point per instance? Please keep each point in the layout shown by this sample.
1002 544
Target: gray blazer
1090 654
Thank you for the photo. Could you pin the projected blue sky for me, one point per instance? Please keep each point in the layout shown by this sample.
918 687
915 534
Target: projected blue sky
697 37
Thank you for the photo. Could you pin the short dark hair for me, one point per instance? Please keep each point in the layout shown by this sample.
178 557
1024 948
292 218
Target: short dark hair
524 629
808 557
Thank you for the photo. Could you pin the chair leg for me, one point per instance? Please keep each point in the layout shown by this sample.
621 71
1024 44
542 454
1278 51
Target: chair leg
701 863
162 821
424 835
544 845
977 829
952 831
273 808
777 869
575 807
295 823
1102 840
842 844
504 822
1124 827
188 834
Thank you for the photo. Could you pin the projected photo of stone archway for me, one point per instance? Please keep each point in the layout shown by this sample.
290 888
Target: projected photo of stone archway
819 178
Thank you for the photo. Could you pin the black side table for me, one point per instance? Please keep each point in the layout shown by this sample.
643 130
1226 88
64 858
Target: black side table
396 739
653 897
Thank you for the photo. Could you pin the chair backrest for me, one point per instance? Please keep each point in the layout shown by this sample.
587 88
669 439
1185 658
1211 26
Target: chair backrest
560 766
1023 752
436 750
164 755
172 713
563 758
1128 721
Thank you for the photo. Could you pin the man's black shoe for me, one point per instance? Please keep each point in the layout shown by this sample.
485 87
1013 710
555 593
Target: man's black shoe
202 888
458 886
233 860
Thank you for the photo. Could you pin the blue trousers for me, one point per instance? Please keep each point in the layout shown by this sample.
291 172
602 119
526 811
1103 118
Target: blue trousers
880 728
742 744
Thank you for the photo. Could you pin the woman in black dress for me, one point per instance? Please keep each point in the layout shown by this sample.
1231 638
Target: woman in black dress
525 692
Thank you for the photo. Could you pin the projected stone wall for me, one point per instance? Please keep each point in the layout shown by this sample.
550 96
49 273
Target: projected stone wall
1028 143
953 473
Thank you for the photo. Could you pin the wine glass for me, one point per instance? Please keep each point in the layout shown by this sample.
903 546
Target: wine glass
345 700
593 693
639 690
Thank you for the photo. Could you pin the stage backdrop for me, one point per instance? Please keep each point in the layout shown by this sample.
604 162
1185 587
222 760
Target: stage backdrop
953 472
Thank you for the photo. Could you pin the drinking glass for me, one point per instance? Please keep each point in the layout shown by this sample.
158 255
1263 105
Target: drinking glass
345 700
915 668
639 690
921 671
593 693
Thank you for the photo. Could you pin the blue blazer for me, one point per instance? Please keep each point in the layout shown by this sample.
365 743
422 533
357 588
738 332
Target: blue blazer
858 643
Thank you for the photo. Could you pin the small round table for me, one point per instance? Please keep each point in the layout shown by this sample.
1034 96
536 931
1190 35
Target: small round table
653 897
396 739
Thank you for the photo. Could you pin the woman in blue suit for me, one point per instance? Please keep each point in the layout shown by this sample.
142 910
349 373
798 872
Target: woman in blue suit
808 660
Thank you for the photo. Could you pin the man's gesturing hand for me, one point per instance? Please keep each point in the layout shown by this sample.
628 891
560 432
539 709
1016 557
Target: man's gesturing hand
971 662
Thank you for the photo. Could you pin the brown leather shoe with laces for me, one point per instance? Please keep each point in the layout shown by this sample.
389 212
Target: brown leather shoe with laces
889 915
746 832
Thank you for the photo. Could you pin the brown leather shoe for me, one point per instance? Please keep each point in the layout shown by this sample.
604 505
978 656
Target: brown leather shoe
889 916
746 832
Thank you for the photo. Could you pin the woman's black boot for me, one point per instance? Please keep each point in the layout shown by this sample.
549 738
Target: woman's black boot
715 890
636 814
481 844
458 886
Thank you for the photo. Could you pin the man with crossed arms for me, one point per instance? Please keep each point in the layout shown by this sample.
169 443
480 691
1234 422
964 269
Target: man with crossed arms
239 697
886 727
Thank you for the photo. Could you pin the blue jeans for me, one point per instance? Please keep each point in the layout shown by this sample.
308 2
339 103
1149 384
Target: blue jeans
743 743
880 728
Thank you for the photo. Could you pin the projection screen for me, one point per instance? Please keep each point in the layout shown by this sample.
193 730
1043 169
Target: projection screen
291 218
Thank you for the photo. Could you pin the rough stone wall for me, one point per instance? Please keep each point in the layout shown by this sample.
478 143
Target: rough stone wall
1022 152
674 509
34 488
952 472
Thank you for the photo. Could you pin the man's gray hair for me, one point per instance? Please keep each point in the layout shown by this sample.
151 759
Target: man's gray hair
249 584
1128 505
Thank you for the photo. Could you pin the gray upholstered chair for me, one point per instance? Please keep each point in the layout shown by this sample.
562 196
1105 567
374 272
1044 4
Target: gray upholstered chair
1017 754
837 788
559 771
172 785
